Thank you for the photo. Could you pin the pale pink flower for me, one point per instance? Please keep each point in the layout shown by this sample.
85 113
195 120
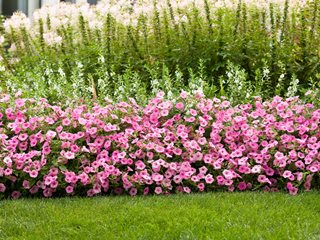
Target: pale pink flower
33 173
69 155
158 190
286 174
186 189
227 174
159 149
209 179
160 94
256 169
51 134
183 94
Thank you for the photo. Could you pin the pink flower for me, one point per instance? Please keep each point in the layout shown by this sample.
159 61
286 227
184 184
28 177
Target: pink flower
201 187
20 102
299 164
286 174
193 112
180 106
33 173
2 187
186 189
7 171
158 190
69 189
157 177
256 169
140 165
209 179
23 137
220 180
164 113
159 149
279 155
46 150
203 170
47 192
160 94
54 184
313 169
242 186
66 122
225 104
146 191
227 174
202 141
177 151
293 191
34 189
263 179
15 194
51 134
183 94
59 129
26 184
82 121
133 191
69 155
74 148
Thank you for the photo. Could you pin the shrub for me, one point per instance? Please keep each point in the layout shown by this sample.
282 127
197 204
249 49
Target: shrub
78 50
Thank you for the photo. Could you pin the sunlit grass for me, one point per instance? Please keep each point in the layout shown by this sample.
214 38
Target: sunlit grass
201 216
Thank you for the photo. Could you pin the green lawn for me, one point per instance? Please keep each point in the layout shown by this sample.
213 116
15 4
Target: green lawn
201 216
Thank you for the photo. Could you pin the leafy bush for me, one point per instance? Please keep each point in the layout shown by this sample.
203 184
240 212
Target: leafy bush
187 145
127 49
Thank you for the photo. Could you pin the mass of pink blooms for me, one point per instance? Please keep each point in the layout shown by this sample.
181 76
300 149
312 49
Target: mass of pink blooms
190 144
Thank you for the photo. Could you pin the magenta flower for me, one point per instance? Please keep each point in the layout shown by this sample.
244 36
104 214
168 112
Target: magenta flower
242 186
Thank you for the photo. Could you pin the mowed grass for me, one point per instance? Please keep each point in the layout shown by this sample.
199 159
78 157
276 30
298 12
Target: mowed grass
198 216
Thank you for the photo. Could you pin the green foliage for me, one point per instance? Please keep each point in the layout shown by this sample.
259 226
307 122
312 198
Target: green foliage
239 51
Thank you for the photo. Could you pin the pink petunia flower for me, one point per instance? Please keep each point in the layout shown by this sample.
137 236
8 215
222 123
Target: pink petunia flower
158 190
33 173
69 189
15 194
2 187
242 186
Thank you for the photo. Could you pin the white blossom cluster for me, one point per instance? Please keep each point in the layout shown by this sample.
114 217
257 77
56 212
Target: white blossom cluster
126 12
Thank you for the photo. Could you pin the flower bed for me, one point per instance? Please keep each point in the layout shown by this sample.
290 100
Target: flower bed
191 144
